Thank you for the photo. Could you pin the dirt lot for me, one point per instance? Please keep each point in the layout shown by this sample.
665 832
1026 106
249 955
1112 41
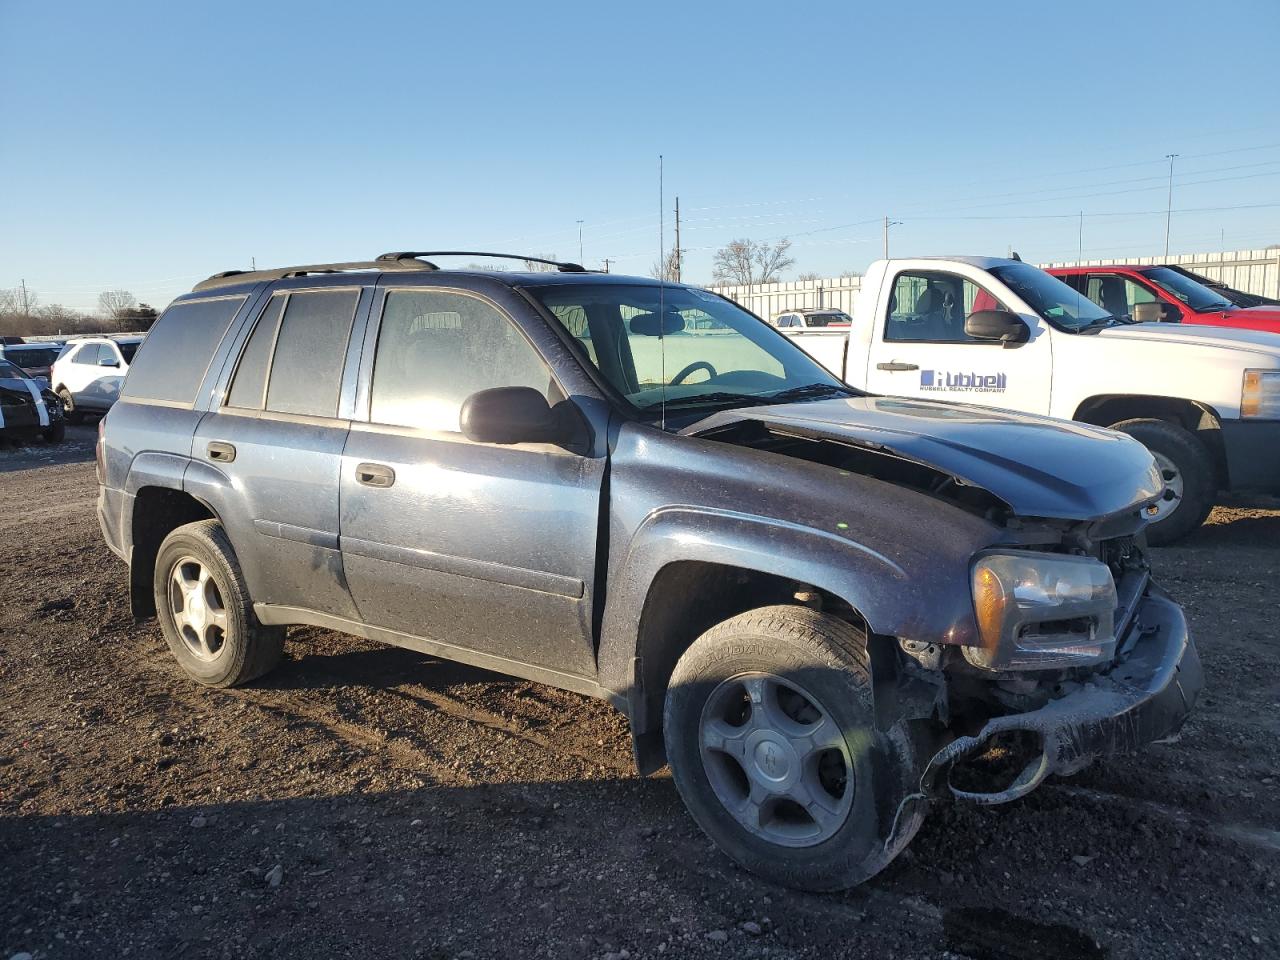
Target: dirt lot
366 801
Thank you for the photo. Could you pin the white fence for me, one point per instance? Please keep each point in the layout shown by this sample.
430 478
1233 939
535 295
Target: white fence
1254 271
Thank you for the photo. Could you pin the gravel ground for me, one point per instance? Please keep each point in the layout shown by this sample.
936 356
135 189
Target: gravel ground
363 800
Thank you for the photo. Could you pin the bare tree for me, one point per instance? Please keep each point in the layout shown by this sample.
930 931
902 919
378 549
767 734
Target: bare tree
670 268
18 302
533 266
118 305
851 274
750 261
810 276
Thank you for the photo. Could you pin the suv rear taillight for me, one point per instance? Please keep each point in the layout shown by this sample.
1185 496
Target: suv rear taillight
99 461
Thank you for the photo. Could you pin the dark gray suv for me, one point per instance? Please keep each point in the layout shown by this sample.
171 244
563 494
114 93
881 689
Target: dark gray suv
824 609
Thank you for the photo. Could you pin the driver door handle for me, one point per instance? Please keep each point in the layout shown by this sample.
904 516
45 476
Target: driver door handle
375 475
896 366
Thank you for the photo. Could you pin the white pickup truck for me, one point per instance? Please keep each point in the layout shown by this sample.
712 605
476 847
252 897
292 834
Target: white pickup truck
1002 333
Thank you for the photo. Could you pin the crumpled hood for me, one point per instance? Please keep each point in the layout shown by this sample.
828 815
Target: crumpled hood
1039 466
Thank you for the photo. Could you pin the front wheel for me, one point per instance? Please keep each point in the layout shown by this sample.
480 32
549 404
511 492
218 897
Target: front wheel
205 611
1189 477
769 731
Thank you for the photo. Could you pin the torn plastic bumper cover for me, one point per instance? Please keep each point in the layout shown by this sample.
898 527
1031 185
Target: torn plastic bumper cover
1144 697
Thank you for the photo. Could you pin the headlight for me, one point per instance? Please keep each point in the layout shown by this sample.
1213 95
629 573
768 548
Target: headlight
1260 395
1042 611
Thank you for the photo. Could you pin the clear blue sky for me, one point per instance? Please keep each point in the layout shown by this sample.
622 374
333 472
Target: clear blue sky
147 145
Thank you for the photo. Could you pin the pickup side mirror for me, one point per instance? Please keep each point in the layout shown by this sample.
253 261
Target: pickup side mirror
510 415
1008 328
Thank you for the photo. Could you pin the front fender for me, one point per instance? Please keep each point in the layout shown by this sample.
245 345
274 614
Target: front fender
920 594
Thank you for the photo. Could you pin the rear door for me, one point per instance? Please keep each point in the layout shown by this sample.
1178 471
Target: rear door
919 347
276 436
479 546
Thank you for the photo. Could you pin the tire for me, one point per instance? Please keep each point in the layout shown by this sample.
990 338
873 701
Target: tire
1184 462
213 633
69 411
760 662
55 434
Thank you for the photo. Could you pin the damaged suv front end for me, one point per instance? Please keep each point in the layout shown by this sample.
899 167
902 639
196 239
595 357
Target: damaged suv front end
1064 649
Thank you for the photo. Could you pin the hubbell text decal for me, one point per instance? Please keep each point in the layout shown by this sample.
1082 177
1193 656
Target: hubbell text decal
944 382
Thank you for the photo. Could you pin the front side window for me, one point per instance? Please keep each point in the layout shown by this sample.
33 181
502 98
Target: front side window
931 306
675 346
436 348
1120 296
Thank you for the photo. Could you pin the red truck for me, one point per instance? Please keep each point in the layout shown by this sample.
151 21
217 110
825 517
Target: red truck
1159 293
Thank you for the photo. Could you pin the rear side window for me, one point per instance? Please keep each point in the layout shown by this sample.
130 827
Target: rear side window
177 350
297 348
88 354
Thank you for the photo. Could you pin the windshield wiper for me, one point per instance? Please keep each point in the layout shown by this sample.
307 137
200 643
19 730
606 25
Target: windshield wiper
809 391
718 398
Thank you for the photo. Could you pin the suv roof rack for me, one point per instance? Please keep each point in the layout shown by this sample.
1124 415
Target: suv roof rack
409 261
413 256
228 277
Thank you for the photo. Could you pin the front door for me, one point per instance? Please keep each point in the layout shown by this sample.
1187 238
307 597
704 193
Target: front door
482 546
919 347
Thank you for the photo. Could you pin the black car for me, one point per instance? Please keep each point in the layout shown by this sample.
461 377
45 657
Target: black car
35 358
818 605
1238 297
28 407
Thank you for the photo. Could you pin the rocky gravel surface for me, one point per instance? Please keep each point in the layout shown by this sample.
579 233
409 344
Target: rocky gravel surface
365 801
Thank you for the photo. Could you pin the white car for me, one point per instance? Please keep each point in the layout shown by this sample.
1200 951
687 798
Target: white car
810 319
88 373
1001 333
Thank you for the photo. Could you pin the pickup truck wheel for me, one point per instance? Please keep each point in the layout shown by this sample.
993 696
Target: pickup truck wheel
1187 468
205 612
69 411
769 731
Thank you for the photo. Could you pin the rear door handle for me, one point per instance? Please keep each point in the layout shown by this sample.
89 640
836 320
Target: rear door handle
895 366
375 475
222 452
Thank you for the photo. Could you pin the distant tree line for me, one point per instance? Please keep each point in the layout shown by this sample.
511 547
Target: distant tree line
22 315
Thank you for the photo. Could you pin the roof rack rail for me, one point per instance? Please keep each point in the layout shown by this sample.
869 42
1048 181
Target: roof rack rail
229 277
413 256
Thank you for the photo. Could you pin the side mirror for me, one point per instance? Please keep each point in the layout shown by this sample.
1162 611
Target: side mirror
1147 312
509 415
1008 328
108 362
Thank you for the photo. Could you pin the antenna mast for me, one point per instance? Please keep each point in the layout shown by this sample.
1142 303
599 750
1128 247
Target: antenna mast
678 254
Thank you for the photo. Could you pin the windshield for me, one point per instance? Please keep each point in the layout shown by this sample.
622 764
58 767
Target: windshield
688 348
1050 297
1182 288
9 371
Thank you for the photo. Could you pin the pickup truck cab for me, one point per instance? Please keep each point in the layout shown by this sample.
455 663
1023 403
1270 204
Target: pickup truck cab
1148 294
1205 400
578 478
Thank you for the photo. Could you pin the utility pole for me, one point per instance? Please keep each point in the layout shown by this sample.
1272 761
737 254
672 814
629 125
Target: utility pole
607 261
677 239
253 263
26 308
1080 238
1168 209
579 241
887 224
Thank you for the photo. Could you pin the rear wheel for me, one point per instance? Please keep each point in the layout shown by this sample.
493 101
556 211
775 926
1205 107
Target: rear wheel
205 611
1189 477
769 731
69 410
